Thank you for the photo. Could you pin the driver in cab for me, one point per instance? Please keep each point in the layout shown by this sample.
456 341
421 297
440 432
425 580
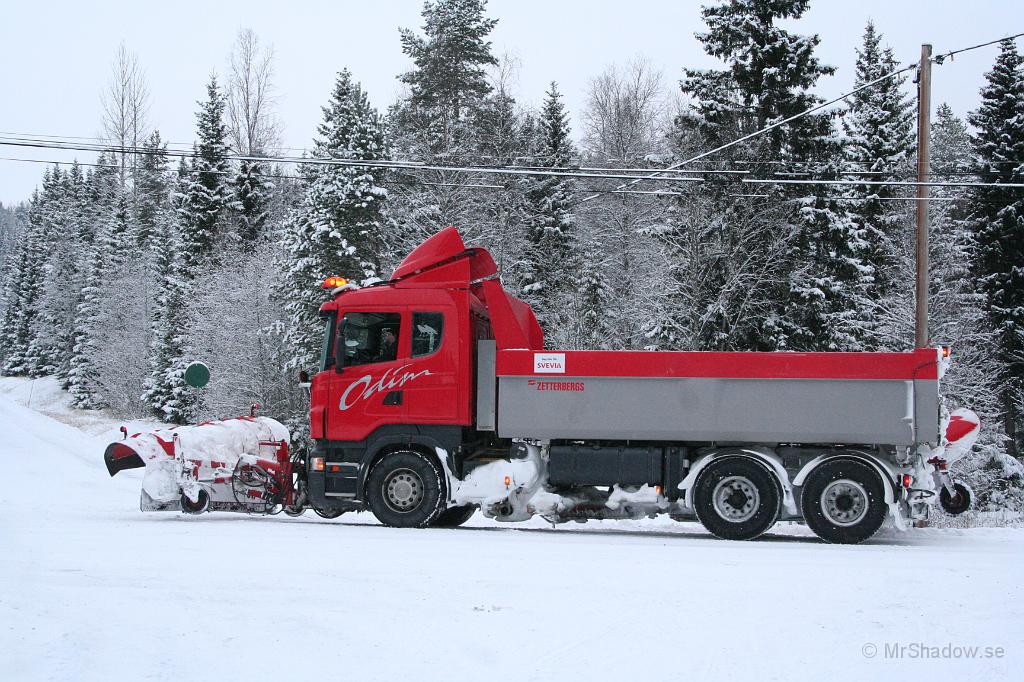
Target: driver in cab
388 347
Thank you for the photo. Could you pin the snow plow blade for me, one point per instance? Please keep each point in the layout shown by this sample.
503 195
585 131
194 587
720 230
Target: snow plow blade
119 457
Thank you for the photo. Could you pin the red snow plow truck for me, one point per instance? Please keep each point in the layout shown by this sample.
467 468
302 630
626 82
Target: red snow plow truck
435 397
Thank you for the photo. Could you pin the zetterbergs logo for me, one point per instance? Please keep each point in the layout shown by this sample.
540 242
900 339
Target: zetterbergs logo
549 363
570 386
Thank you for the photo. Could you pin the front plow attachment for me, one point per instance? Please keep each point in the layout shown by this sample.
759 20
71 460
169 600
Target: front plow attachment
119 457
240 464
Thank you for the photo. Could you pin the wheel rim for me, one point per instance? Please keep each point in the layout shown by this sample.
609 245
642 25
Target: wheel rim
844 502
403 490
736 499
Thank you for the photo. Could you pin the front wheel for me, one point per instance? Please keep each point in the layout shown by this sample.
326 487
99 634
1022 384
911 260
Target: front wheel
406 489
737 498
843 501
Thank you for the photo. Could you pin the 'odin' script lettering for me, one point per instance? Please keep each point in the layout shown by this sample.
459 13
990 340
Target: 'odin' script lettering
364 387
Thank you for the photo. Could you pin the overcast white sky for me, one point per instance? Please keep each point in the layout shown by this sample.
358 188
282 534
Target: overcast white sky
55 56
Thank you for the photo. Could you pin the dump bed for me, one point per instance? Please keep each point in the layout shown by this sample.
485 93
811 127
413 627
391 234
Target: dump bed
835 398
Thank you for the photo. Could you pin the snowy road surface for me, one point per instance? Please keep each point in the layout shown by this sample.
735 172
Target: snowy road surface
92 589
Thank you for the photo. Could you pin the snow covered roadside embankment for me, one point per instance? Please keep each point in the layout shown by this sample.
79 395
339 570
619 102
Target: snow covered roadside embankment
46 397
93 589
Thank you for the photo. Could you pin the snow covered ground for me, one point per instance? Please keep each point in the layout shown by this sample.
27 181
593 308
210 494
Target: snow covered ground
93 589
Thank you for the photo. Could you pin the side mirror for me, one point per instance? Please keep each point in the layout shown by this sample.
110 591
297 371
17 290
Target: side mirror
303 376
339 347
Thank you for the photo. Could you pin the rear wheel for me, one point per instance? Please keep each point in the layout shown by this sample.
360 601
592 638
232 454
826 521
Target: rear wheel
737 498
843 501
201 504
454 516
956 504
406 489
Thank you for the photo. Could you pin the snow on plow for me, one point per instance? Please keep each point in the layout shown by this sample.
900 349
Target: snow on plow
239 464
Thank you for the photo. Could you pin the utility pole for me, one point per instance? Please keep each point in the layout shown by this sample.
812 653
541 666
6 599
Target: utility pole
924 115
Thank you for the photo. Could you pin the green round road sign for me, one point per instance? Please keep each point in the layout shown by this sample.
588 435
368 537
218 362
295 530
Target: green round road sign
197 374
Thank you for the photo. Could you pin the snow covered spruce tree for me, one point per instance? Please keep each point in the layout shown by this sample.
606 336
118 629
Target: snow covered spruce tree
12 231
448 87
251 196
77 235
207 197
24 287
166 393
96 318
337 228
826 310
879 140
796 281
203 208
152 191
998 224
957 318
43 356
101 191
449 77
956 303
592 299
504 135
83 375
552 259
41 275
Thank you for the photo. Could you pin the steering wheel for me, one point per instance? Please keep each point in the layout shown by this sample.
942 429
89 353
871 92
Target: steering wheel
360 356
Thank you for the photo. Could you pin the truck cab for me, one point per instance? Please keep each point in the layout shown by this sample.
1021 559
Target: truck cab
398 366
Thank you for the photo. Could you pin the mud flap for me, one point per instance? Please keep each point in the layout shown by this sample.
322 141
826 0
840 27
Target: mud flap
119 457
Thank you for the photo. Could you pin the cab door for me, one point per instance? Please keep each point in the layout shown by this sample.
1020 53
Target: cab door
432 393
366 393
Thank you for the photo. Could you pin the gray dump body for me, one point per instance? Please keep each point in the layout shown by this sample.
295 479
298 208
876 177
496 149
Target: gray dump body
899 412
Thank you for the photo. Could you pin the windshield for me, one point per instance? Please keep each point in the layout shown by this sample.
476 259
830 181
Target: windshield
327 349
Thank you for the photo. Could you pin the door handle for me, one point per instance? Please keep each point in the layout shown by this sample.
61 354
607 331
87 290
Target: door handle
393 398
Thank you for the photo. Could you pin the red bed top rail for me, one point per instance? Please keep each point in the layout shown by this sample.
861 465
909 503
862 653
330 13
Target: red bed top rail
919 364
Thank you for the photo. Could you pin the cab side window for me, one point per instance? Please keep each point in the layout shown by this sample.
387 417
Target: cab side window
370 337
427 333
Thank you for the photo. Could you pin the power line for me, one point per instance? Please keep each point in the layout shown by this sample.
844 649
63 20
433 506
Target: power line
363 163
939 58
897 183
618 190
574 171
399 183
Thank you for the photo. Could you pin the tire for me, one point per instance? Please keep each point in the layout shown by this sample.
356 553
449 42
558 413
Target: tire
201 504
737 498
955 506
406 489
454 517
843 501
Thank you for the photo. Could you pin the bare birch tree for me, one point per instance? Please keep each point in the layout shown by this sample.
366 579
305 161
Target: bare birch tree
253 127
624 116
126 110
